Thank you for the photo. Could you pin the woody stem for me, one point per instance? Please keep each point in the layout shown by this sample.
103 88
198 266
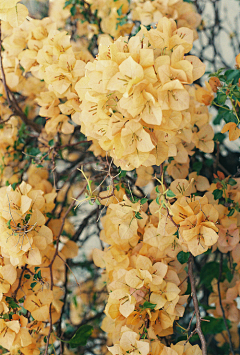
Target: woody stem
195 304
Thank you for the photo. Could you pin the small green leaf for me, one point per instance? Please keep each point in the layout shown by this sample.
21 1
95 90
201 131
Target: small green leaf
183 257
221 98
148 305
98 202
51 143
137 215
12 303
89 185
119 11
33 284
143 200
9 224
14 185
81 336
73 10
231 212
232 182
26 276
217 194
122 174
170 194
33 151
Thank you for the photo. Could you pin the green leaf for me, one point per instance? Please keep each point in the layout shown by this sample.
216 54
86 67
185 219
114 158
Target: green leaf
137 215
26 276
33 284
9 224
98 202
197 166
34 151
157 189
219 137
89 185
14 185
209 272
12 303
217 194
122 174
221 98
170 194
40 120
183 257
73 10
231 212
236 94
81 336
51 143
119 11
232 182
230 117
148 305
68 2
232 74
215 326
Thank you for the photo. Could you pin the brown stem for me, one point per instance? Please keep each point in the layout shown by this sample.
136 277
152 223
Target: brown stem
50 266
63 222
221 305
19 282
195 304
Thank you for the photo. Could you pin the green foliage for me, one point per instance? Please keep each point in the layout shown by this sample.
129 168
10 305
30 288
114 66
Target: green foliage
148 305
170 194
214 326
81 336
183 257
217 194
227 96
210 271
197 166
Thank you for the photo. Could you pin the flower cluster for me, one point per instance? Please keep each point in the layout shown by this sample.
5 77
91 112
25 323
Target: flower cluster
149 12
136 99
147 284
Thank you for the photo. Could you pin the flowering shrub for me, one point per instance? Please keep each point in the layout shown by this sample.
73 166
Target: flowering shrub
102 104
